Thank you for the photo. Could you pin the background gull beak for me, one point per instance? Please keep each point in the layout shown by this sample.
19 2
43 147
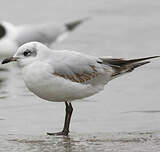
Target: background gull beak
7 60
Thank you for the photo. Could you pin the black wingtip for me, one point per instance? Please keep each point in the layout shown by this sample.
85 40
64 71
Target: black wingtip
5 61
136 65
72 25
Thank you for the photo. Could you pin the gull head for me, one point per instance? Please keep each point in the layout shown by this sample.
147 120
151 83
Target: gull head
28 53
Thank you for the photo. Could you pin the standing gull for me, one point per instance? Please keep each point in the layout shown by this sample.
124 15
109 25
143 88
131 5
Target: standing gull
64 76
12 36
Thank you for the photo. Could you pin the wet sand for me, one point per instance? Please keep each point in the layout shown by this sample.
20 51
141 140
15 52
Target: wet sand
113 142
124 117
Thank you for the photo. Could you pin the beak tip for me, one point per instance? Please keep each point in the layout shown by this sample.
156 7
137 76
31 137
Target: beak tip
7 60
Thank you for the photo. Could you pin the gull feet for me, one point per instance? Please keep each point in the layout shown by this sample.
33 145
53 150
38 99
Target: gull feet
62 133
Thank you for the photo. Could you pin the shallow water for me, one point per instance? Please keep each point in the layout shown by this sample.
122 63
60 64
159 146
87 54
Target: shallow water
124 117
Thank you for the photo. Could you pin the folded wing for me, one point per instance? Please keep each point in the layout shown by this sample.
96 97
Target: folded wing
122 66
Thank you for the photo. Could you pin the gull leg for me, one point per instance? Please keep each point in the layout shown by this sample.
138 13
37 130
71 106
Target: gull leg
65 131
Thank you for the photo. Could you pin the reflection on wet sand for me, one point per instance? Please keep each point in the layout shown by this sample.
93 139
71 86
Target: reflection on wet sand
85 142
46 143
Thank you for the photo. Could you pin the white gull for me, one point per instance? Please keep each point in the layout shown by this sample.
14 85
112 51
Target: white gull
64 76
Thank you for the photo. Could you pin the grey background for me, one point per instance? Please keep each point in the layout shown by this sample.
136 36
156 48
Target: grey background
125 116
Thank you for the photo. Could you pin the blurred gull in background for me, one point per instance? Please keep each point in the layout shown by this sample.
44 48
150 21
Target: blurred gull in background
13 36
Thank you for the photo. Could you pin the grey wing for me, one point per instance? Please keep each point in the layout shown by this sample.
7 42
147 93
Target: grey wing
81 68
46 33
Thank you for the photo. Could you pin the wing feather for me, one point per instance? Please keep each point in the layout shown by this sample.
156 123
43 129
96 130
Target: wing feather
79 77
77 67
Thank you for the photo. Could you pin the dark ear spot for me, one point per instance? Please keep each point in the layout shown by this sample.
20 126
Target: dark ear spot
2 31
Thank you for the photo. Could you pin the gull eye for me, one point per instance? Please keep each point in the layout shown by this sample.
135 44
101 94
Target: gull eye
27 53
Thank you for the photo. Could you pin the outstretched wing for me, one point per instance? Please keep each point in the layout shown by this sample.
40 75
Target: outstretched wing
44 33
